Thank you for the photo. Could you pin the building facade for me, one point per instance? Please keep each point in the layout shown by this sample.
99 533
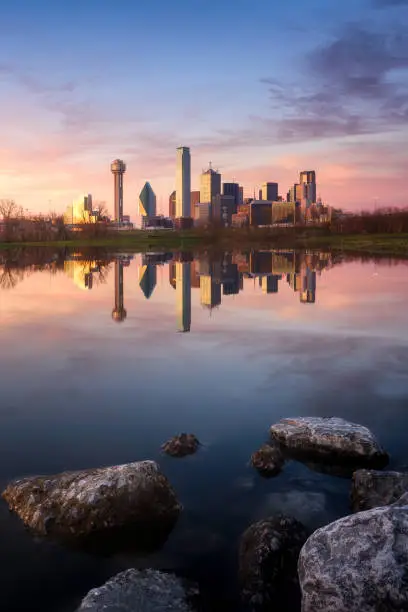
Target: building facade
232 189
183 183
307 180
172 205
269 191
194 200
210 185
147 204
80 211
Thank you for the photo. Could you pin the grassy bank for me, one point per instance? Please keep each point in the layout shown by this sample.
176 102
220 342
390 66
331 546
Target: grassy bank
370 244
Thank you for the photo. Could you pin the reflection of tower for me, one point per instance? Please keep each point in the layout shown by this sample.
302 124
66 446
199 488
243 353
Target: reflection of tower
147 279
118 168
210 291
183 295
308 293
269 283
119 312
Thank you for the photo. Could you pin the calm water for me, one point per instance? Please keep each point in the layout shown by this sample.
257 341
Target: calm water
95 370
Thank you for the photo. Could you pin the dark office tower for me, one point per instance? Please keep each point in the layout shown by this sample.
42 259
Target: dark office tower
232 189
172 205
119 312
269 192
260 194
194 200
241 195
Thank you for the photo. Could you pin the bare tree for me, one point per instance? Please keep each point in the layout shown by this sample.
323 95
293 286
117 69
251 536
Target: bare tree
10 210
102 210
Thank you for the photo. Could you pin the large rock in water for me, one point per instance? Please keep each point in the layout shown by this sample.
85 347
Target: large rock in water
140 591
358 563
77 504
268 555
371 489
330 437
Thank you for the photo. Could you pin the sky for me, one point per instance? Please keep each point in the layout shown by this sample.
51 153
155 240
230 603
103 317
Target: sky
262 89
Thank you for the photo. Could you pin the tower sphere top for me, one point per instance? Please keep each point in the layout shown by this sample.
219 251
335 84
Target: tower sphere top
118 166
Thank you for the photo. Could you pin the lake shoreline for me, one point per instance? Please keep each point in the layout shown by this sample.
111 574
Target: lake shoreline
388 245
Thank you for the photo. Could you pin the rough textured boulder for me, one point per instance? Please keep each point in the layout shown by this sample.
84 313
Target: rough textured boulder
330 438
268 556
140 591
77 504
371 489
358 563
181 445
268 460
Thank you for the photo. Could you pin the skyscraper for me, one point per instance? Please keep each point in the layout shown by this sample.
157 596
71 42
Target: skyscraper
172 205
210 185
232 189
269 192
183 295
183 183
194 200
118 169
307 180
147 204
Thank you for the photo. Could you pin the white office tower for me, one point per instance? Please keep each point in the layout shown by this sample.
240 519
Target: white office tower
183 183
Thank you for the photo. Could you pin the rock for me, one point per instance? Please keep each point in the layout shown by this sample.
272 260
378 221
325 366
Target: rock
80 504
181 445
358 563
268 460
140 591
268 554
329 438
371 489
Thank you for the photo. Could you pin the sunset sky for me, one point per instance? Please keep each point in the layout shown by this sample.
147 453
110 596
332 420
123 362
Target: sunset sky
261 88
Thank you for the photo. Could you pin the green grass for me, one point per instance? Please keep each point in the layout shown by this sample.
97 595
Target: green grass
370 244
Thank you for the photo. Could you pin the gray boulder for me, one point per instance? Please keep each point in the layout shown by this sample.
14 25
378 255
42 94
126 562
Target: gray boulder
371 489
268 554
329 438
268 460
140 591
358 563
78 504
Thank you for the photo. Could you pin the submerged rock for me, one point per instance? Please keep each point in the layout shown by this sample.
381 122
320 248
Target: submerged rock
329 438
181 445
371 489
268 555
140 591
268 460
79 504
358 563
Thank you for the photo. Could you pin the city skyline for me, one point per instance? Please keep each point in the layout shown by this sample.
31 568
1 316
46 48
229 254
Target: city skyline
331 100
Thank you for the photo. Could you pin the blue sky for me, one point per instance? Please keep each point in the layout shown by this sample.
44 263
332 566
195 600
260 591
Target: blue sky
261 88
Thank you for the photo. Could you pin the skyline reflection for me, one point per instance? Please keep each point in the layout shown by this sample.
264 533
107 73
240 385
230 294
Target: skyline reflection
214 277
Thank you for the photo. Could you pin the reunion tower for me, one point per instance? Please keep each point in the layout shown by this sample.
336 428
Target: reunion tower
118 169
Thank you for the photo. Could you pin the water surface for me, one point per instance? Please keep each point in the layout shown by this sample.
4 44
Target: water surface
103 358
